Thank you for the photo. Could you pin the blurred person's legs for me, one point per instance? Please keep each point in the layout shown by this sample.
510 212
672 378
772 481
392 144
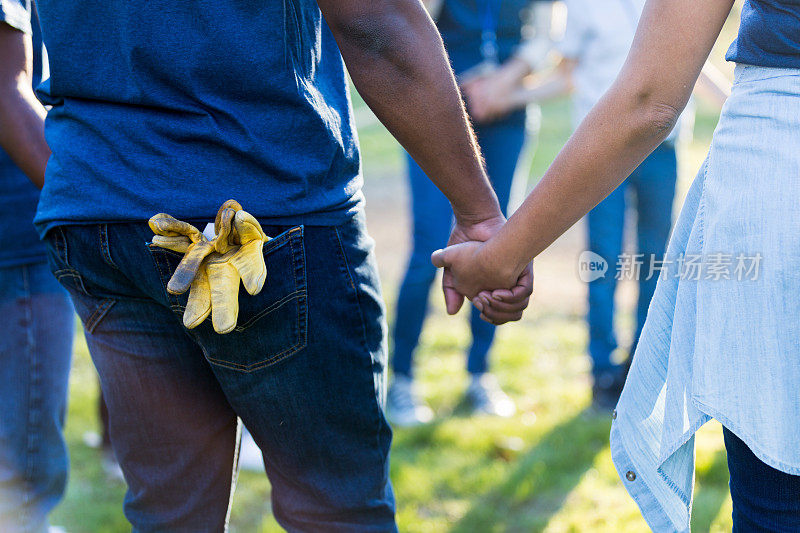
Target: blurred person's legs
764 498
303 369
35 350
654 182
432 219
654 185
605 228
501 144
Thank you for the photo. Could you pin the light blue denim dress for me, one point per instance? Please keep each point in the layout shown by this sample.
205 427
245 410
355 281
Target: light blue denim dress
722 336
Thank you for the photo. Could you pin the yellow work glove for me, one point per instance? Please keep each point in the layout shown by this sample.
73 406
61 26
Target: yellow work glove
211 270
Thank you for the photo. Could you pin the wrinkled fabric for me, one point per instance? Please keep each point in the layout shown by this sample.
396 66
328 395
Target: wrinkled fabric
723 347
163 106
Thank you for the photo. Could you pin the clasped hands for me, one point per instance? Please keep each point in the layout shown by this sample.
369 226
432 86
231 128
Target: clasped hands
212 269
500 292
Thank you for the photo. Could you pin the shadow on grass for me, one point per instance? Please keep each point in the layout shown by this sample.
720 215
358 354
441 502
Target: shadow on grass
712 491
541 479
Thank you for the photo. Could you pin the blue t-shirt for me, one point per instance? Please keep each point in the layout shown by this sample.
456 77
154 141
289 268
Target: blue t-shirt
19 243
172 106
769 34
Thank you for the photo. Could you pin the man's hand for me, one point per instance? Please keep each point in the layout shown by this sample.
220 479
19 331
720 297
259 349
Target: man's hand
465 232
469 272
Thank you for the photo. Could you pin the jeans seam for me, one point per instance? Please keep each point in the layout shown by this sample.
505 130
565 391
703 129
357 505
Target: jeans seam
364 343
347 267
98 314
33 379
105 251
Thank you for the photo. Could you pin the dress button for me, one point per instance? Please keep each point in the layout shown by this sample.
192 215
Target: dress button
630 475
614 414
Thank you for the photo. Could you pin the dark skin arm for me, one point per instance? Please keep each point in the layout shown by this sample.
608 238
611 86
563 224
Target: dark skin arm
397 61
21 114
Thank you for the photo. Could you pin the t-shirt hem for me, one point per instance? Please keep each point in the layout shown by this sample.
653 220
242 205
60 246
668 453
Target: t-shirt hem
27 259
310 219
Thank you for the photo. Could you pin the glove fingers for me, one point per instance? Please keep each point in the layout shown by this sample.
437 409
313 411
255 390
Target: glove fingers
225 230
179 243
187 269
230 204
248 228
249 262
169 226
199 305
224 281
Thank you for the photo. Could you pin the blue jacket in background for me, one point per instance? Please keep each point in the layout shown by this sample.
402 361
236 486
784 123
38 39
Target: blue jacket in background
19 243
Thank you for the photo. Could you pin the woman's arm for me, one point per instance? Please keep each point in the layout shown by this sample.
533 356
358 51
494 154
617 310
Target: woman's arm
672 43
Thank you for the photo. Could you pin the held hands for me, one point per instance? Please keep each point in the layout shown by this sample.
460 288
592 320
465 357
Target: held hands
211 270
500 295
491 96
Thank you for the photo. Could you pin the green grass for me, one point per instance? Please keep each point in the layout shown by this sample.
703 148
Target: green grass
546 469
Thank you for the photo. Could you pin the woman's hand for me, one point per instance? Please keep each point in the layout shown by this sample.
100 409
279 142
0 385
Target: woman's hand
468 271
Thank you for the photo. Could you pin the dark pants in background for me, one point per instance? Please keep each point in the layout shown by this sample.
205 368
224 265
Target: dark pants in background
37 323
501 143
652 189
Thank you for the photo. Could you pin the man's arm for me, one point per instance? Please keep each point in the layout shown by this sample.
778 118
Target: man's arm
21 114
396 58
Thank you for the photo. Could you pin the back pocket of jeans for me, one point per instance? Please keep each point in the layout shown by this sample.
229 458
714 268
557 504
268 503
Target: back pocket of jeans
272 325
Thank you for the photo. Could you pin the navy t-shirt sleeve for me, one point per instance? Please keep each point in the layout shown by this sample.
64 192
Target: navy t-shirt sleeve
17 14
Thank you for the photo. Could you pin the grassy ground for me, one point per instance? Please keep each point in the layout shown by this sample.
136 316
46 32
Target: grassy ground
546 469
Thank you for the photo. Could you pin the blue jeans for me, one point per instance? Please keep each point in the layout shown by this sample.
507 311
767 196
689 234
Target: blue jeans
36 333
764 499
432 215
304 370
653 183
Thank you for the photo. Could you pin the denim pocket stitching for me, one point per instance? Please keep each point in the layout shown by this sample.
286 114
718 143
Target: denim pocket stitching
99 313
274 307
290 237
75 275
60 244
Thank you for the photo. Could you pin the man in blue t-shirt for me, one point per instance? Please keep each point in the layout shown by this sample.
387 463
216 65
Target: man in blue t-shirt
38 320
162 106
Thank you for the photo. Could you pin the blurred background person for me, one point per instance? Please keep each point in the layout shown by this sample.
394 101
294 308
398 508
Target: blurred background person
37 323
595 43
480 36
